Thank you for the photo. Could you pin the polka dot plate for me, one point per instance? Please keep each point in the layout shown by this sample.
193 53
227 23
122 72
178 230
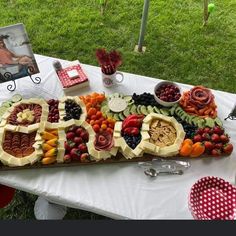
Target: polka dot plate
212 198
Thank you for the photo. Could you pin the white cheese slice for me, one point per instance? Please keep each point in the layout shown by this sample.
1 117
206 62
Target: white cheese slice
60 155
5 115
114 151
38 137
145 127
145 135
10 127
119 142
147 146
10 109
61 135
138 152
103 155
118 126
90 131
23 161
33 127
94 154
33 158
83 117
78 122
23 129
116 134
69 123
147 119
61 106
5 157
3 123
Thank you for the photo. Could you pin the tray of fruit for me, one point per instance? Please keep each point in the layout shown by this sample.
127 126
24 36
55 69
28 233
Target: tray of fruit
98 128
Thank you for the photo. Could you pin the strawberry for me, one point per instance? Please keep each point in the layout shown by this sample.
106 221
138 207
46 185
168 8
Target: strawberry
85 136
84 157
224 138
197 138
215 138
75 154
205 136
208 145
218 130
69 145
78 140
215 152
79 131
228 148
67 158
200 131
70 135
207 130
83 148
219 146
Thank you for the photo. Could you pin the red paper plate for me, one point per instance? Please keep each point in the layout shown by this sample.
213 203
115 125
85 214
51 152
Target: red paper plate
213 198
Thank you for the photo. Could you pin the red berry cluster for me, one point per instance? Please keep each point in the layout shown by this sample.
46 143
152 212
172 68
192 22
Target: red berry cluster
75 146
215 140
168 93
53 115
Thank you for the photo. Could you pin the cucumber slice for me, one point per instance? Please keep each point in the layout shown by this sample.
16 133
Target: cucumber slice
126 112
121 116
201 123
16 98
172 110
127 98
109 115
117 95
104 103
3 110
144 110
218 121
7 104
105 109
164 111
209 122
139 109
178 109
156 110
150 109
195 120
116 117
130 102
133 109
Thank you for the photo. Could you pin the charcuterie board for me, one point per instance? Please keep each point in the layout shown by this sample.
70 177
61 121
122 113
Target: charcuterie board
116 128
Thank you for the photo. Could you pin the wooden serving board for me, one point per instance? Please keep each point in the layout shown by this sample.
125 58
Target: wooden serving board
118 159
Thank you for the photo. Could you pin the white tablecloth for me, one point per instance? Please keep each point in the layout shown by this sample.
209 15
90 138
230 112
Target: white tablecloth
119 191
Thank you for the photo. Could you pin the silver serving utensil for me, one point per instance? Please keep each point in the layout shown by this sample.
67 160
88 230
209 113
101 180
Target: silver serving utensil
153 173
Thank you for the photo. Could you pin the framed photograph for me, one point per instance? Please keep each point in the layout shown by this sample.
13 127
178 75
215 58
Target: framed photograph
16 56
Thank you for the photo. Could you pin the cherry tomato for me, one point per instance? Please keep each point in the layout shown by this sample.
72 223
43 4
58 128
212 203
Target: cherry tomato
92 122
104 126
93 117
98 114
96 128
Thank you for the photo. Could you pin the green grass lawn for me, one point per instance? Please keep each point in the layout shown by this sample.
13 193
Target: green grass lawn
178 47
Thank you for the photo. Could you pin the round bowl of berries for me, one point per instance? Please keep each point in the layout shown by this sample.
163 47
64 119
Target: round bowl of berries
167 93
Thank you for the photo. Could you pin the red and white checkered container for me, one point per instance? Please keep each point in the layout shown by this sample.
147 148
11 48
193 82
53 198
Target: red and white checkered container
212 198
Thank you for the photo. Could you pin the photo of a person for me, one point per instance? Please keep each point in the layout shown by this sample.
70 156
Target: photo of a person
9 58
16 55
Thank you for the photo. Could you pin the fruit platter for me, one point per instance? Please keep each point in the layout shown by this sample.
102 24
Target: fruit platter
100 128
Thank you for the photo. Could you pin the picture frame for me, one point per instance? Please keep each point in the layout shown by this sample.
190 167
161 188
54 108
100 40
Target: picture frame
16 56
